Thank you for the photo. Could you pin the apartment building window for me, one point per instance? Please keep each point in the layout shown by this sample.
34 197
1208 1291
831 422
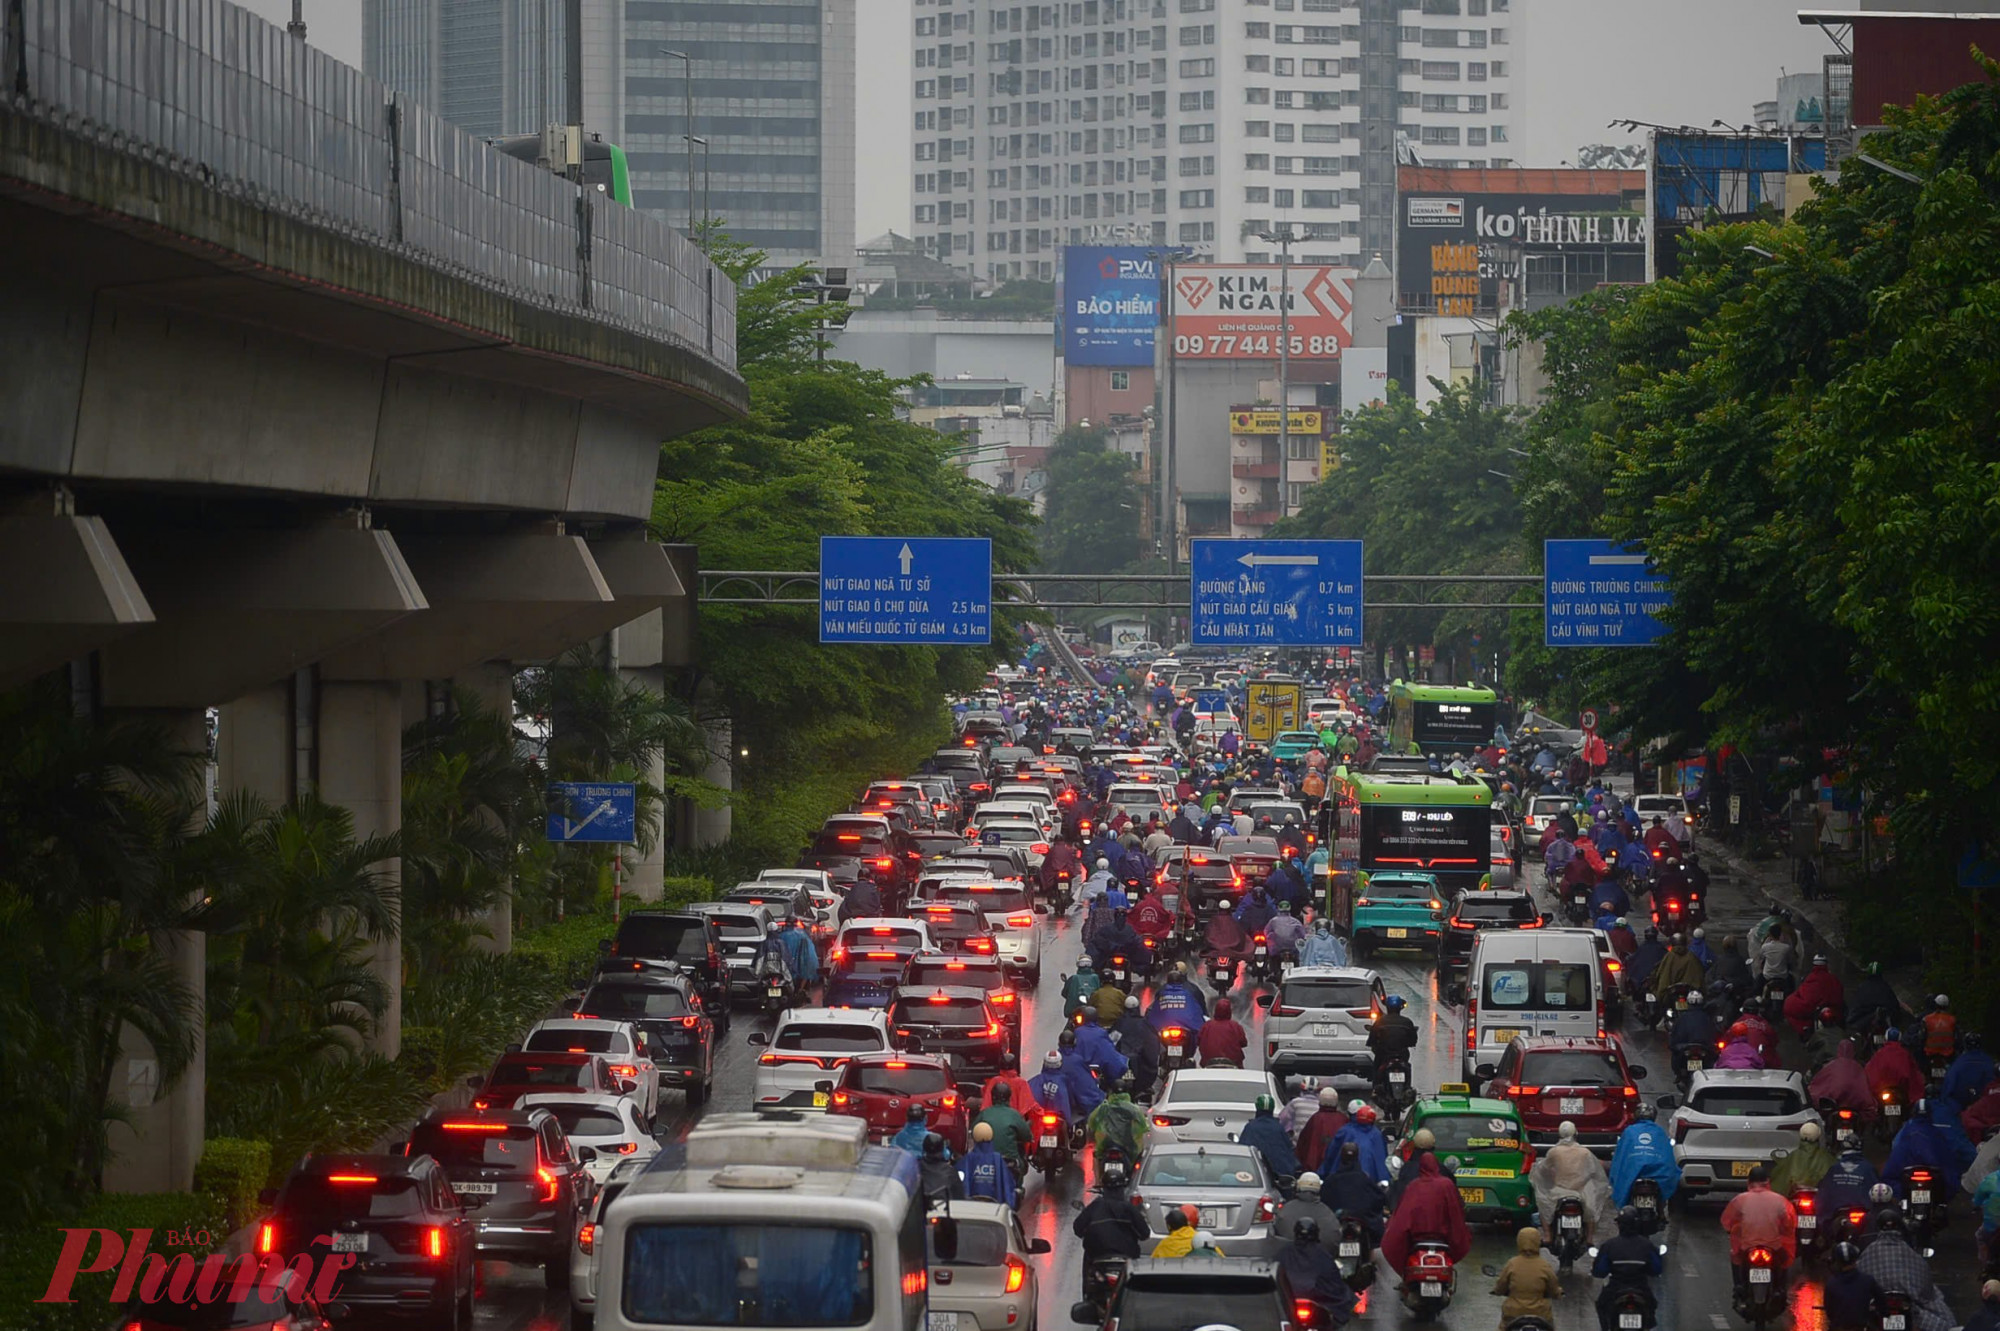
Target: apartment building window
1499 100
1190 231
1411 35
1257 64
1257 96
1283 165
1256 194
1121 380
1499 68
1446 135
1499 36
926 27
1198 36
1319 36
1283 67
1282 133
926 212
926 87
1303 448
1440 71
1204 133
1198 101
1322 166
1475 71
1281 198
927 152
1441 8
1476 103
1319 69
1189 166
1475 137
1197 6
1198 69
1197 198
1319 133
1256 161
1476 8
1283 32
1256 129
1319 198
1295 493
1257 31
1499 133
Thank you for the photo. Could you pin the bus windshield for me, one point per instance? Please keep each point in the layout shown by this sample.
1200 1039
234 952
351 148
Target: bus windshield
780 1275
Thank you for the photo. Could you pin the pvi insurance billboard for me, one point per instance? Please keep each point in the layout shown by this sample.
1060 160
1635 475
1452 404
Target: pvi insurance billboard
1110 305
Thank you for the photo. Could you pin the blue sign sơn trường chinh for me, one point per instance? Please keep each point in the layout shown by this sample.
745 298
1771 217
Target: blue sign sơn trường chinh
1600 594
1110 305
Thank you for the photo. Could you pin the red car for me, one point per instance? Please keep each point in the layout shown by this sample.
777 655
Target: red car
1555 1079
881 1088
519 1074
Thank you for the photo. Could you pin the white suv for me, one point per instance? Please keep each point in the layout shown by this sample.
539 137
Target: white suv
1318 1022
1009 909
810 1046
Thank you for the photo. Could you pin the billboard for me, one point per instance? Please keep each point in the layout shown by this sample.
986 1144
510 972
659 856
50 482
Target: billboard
1364 378
1233 311
1305 420
1461 234
1110 303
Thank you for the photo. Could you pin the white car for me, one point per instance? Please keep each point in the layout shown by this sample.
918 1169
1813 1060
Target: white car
1542 811
743 928
606 1124
1318 1022
1008 809
1030 838
1140 799
583 1251
810 1046
1671 810
623 1045
1008 908
891 931
816 879
989 1284
1208 1104
1734 1119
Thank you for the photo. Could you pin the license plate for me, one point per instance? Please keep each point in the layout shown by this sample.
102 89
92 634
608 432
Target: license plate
1399 1077
475 1189
819 1099
1396 933
1808 1222
940 1322
1569 1104
1502 1034
1894 1322
1210 1217
1325 1030
1892 1111
1646 1203
1048 1140
350 1243
1694 1064
1760 1275
1350 1250
1572 1222
1431 1289
1260 951
774 990
1173 1051
1472 1196
1920 1196
1629 1322
1741 1168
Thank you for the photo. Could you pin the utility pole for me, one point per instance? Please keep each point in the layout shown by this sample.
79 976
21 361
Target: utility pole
701 237
1283 240
687 101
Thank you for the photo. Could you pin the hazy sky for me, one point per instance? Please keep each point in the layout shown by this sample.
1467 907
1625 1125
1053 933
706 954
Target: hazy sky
1588 62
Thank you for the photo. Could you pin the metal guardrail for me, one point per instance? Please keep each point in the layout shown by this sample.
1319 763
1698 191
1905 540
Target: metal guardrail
213 92
1168 592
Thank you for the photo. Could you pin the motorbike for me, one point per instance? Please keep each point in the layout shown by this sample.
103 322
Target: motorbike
1846 1131
1570 1240
1354 1253
1221 972
1646 1200
776 996
1176 1050
1805 1219
1147 963
1576 904
1690 1059
1392 1083
1649 1012
1676 914
1890 1122
1052 1145
1764 1290
1895 1312
1429 1280
1101 1279
1117 971
1920 1208
1261 967
1062 893
1632 1310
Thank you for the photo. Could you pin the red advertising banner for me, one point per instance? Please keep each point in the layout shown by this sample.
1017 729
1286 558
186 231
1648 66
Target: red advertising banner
1233 311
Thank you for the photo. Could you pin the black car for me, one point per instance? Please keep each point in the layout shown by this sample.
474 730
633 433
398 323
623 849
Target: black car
397 1218
686 938
1472 913
1161 1293
680 1035
1208 883
868 978
931 969
952 1020
286 1303
524 1186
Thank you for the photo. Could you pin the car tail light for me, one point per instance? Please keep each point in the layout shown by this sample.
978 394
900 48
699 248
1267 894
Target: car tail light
1017 1274
434 1241
1169 1121
1040 848
983 946
1026 921
350 1178
1004 997
547 1178
897 1064
1525 1092
622 1070
916 1281
474 1127
843 836
1363 902
950 1100
625 1148
1631 1091
690 1022
886 862
767 1058
267 1237
992 1030
841 1099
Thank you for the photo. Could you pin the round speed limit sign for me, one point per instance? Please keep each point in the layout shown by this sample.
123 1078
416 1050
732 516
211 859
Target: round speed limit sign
1589 719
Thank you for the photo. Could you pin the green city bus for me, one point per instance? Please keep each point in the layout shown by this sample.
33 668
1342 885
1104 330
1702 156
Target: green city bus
1382 822
1436 718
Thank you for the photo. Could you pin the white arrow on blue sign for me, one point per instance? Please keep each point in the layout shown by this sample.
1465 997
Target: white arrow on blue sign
593 811
1600 594
1275 593
891 589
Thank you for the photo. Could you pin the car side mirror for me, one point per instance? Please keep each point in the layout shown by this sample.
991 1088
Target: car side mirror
757 1038
1548 917
585 1154
1083 1314
625 1085
604 947
824 1087
1638 1073
1483 1071
474 1082
1668 1103
267 1197
514 1048
1038 1247
1265 1000
570 1004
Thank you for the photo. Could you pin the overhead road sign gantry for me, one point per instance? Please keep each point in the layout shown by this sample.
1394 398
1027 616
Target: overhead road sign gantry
593 811
1600 594
906 589
1275 593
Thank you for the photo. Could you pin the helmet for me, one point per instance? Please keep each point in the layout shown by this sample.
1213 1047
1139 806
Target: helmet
1131 1002
1052 1061
1002 1093
1305 1230
1123 1084
1701 933
1329 1097
1566 1131
1882 1194
933 1146
1889 1220
1845 1255
1103 863
916 1113
1973 1040
1738 1031
1694 998
1068 1037
1423 1139
1829 1016
1190 1216
1365 1116
1680 940
1809 1132
1941 1002
982 1132
1819 959
1394 1002
1893 1035
1265 1104
1645 1112
1355 1106
1308 1183
1628 1219
1115 1174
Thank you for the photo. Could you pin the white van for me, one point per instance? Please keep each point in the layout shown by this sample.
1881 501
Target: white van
1530 982
766 1211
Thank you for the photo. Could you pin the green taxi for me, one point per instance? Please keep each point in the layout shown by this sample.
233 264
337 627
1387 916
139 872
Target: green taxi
1487 1146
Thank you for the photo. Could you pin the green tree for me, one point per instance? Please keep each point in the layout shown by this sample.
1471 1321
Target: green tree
1091 522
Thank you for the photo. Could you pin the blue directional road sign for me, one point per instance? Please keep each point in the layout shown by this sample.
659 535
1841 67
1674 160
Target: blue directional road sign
593 811
1600 594
1276 593
905 589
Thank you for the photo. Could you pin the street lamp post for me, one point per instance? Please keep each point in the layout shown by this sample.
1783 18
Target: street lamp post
1283 240
687 99
702 235
1163 425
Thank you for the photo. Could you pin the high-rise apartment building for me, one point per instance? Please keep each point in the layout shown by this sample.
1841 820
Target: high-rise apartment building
1199 124
772 84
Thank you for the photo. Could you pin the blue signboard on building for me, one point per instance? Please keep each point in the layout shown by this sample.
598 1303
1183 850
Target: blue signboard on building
892 589
593 811
1275 593
1600 594
1110 305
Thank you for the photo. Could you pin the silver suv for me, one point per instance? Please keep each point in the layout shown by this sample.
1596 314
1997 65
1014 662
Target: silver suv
1318 1022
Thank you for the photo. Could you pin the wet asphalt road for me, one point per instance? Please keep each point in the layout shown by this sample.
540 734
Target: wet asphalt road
1694 1294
